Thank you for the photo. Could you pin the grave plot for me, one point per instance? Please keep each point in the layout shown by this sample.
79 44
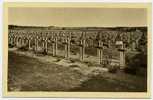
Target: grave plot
96 46
77 57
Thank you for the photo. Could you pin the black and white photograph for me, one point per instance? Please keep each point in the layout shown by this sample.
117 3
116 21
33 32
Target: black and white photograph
77 49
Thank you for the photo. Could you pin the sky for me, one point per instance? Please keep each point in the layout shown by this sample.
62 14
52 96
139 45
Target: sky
77 17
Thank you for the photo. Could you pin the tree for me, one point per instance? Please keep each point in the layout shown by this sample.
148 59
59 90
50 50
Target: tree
142 43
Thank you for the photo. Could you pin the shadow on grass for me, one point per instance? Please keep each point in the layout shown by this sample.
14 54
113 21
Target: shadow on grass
101 84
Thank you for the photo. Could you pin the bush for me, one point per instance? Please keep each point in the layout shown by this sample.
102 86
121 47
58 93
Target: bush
11 46
95 72
113 69
135 63
88 63
23 48
130 70
138 60
74 66
72 61
44 52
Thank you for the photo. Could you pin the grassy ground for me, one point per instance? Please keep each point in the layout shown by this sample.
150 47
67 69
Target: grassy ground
30 74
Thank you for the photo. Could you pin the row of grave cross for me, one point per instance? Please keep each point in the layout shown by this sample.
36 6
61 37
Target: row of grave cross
21 40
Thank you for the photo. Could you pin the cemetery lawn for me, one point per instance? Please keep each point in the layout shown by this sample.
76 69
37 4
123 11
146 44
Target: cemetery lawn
29 74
